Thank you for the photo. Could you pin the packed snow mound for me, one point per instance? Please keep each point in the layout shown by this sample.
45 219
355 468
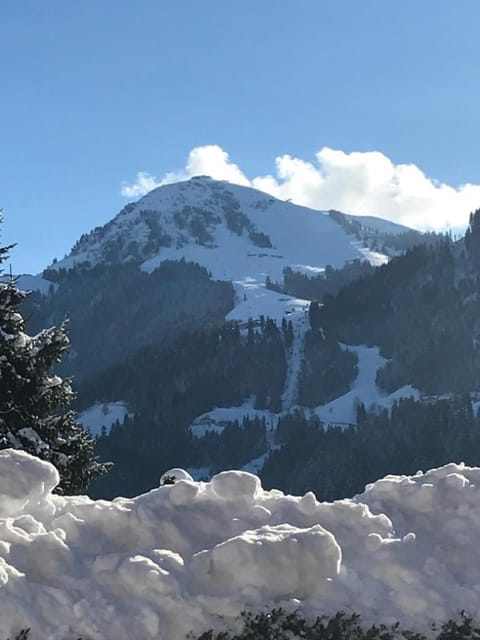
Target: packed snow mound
190 556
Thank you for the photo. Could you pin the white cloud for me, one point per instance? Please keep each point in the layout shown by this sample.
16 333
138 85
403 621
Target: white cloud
209 160
357 182
213 161
144 183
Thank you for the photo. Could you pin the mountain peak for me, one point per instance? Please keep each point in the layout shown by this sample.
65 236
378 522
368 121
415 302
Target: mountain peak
211 221
238 234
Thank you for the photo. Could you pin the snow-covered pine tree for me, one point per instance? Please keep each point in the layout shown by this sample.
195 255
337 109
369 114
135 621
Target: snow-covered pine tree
34 402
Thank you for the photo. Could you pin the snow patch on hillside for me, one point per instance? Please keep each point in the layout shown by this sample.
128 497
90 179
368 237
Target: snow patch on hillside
216 419
190 556
253 300
102 415
342 410
256 465
374 257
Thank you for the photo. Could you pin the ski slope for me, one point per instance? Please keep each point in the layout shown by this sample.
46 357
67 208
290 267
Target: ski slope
338 412
301 325
342 410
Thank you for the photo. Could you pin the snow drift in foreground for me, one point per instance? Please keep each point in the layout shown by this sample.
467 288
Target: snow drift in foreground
190 556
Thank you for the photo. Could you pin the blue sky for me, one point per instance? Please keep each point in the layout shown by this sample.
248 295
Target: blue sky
95 91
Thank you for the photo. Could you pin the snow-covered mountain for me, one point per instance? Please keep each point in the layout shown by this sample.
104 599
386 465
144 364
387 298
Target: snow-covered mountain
238 233
233 230
245 236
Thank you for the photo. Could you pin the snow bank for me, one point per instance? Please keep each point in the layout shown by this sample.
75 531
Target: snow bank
192 555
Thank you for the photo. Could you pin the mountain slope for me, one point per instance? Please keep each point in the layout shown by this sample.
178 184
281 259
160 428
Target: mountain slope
116 309
147 323
237 233
244 230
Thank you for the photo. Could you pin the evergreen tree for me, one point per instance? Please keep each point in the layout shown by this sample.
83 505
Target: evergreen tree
314 315
472 235
34 402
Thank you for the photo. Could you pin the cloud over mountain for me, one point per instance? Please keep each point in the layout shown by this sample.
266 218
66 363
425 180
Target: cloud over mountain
356 182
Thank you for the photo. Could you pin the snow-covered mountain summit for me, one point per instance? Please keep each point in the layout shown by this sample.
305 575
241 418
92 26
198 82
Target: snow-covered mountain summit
238 233
233 230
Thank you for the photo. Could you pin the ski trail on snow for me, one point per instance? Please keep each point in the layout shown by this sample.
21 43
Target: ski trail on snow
295 358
